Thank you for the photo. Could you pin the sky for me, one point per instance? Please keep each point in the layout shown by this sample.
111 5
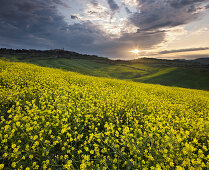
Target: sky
170 29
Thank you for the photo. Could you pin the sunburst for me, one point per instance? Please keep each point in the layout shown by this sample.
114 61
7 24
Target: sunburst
135 51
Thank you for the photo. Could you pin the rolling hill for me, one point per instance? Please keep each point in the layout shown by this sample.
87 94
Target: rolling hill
187 74
51 118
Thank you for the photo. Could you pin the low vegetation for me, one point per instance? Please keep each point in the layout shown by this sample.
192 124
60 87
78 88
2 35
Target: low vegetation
55 119
180 73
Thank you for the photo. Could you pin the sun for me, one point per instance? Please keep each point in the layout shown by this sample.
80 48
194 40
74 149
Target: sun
135 51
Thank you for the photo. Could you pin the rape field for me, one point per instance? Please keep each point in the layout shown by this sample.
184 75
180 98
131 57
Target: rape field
54 119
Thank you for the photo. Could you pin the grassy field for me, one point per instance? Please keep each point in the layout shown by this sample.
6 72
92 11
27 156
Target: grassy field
180 74
58 119
194 78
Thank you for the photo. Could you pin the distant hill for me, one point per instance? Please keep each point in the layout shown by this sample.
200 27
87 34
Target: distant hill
182 73
202 60
23 54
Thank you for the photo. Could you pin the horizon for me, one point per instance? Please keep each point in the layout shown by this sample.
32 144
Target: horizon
109 28
114 59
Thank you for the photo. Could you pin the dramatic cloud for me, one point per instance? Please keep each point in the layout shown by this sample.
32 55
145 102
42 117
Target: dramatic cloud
128 10
97 12
84 26
23 23
183 50
182 3
130 2
94 3
163 13
112 4
144 39
30 24
73 17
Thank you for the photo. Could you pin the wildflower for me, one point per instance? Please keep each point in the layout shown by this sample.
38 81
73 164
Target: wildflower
31 156
68 165
1 166
5 155
13 165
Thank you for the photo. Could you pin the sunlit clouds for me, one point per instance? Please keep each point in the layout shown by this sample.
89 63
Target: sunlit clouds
109 28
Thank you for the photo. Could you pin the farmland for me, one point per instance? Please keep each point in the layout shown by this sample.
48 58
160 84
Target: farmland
58 119
187 74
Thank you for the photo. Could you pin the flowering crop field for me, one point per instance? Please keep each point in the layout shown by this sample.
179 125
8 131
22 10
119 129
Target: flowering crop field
54 119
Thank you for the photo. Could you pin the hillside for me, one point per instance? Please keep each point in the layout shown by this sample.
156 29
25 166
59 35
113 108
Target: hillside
202 61
58 119
187 74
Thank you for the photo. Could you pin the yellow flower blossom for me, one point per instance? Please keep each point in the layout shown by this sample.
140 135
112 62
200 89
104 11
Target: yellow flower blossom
1 166
60 119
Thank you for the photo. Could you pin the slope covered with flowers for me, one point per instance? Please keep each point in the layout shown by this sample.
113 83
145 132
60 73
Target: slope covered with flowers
63 120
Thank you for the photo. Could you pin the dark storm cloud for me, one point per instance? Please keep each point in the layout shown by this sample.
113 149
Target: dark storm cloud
28 23
112 4
128 10
94 3
37 24
157 14
73 17
83 35
183 50
181 3
119 47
